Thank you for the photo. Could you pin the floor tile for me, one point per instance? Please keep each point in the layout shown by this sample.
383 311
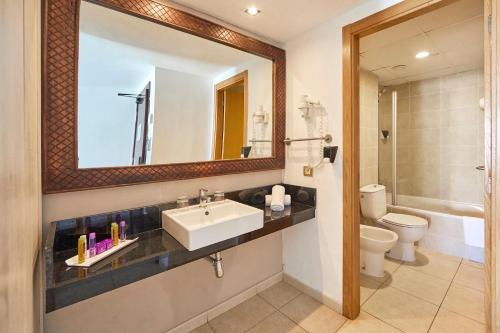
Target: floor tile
473 263
465 301
470 276
366 323
367 287
448 321
390 265
279 294
203 329
436 264
277 323
312 316
243 316
401 310
421 285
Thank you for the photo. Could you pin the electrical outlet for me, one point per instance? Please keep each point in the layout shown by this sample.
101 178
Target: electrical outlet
308 171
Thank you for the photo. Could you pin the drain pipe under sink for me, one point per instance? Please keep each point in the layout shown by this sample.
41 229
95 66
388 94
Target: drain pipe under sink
216 261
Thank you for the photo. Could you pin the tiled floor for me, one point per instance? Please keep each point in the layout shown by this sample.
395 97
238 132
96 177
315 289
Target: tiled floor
438 293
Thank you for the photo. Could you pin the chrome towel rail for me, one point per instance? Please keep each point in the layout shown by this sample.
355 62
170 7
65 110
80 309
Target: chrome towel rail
327 138
254 140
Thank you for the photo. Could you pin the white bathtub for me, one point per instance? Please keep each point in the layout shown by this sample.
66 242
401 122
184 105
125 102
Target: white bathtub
446 225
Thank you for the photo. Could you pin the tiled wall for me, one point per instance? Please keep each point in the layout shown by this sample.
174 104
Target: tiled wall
440 138
368 91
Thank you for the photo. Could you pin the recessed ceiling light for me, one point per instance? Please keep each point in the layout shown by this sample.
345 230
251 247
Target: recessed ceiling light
422 54
252 11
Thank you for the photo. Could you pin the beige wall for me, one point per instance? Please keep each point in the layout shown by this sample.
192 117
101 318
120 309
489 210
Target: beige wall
369 134
163 301
19 162
440 138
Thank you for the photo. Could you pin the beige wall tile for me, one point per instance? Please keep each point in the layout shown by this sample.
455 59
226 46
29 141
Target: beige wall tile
439 125
423 87
425 120
460 80
426 103
369 128
460 98
460 155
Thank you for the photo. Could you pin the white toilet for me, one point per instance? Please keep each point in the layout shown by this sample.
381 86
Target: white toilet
374 243
409 228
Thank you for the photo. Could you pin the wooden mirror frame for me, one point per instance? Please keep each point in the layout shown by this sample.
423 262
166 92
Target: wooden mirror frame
60 88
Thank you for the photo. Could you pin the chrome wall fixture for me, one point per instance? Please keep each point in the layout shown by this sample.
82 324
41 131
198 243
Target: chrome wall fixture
327 138
216 261
255 140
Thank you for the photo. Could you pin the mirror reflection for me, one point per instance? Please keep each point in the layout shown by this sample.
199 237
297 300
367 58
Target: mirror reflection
149 94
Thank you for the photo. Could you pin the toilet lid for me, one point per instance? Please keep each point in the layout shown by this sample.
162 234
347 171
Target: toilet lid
404 220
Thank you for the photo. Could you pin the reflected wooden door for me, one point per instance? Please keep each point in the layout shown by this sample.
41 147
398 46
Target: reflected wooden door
231 117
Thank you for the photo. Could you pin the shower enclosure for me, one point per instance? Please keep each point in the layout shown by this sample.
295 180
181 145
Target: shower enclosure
429 160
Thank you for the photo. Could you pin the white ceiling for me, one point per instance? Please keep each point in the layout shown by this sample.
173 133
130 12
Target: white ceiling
279 20
122 46
453 35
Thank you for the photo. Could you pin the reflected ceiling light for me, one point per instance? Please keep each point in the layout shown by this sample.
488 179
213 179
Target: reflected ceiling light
252 11
422 54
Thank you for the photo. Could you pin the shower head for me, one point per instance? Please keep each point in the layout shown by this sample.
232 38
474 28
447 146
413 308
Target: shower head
382 91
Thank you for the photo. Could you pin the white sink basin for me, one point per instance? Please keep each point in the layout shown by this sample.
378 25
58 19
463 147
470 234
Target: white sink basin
194 229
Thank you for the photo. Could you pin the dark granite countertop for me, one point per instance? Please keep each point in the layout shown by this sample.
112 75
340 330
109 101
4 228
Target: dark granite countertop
154 252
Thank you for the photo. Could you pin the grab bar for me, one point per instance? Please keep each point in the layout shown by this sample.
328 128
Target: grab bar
327 138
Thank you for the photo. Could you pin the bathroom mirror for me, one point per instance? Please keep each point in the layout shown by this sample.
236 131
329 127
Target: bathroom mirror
137 91
150 94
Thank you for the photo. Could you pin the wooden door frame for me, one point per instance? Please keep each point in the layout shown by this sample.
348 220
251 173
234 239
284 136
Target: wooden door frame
391 16
492 167
242 76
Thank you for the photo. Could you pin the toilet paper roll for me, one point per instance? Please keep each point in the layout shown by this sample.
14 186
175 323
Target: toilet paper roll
288 200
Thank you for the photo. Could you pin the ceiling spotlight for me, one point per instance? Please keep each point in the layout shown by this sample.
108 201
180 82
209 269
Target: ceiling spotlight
422 54
252 11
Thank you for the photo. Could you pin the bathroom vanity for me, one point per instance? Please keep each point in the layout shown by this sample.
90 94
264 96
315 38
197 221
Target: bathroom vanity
156 251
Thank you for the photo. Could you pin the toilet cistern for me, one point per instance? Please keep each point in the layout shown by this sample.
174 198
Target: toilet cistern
409 228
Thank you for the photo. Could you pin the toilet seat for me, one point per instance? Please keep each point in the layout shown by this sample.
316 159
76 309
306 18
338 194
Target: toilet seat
403 220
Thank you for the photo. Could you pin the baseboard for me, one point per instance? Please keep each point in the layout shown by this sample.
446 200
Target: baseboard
219 309
314 293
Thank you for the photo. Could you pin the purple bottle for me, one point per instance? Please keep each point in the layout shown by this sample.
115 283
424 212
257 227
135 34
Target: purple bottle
92 245
123 234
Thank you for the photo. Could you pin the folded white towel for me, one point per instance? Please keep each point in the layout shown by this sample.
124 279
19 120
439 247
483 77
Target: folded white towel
278 198
288 200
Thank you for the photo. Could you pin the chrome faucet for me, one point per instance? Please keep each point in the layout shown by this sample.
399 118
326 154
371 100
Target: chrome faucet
204 198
